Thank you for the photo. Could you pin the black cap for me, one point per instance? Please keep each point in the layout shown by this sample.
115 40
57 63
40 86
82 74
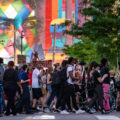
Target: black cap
96 65
82 63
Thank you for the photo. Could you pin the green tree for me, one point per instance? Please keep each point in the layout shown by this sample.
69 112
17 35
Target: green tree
103 29
83 50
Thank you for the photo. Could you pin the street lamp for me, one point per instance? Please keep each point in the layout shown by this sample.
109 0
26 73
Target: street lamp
56 22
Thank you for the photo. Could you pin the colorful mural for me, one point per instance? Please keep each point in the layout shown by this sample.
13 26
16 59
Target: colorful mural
18 11
42 37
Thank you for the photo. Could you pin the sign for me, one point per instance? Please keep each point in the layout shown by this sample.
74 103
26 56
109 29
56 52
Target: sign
45 63
21 59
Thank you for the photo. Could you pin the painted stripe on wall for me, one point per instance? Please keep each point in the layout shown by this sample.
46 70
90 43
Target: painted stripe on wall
76 11
54 9
48 40
41 29
59 8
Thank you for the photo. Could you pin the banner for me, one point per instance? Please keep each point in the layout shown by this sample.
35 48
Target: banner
45 63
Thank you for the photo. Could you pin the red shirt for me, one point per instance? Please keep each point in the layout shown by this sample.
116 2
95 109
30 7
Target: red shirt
30 77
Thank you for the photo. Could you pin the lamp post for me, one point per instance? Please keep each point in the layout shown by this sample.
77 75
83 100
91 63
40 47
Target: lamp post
54 50
22 36
56 22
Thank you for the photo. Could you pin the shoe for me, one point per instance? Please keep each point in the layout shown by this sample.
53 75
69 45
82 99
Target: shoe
7 113
46 110
105 112
64 112
92 111
1 115
79 111
28 113
14 113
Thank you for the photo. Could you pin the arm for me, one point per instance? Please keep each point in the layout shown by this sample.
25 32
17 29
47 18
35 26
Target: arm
48 79
18 83
40 74
102 79
22 81
73 77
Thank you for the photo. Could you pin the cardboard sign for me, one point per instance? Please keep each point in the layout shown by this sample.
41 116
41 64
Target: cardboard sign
21 59
45 63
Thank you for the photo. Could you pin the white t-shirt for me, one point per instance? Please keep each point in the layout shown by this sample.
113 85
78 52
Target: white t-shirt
35 83
69 68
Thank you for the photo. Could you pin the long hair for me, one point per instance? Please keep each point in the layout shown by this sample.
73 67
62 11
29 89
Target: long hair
49 70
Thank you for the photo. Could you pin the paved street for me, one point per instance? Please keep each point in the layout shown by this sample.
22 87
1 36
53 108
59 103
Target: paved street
85 116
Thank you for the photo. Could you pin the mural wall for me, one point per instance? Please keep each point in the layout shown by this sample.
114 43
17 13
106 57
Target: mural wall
41 38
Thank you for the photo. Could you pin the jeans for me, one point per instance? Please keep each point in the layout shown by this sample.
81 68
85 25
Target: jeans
98 96
55 92
24 101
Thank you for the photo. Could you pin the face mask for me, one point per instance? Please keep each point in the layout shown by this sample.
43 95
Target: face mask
99 71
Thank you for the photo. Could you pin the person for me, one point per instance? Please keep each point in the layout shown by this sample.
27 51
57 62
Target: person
49 82
10 83
70 91
98 91
106 83
1 85
25 98
118 88
37 87
57 67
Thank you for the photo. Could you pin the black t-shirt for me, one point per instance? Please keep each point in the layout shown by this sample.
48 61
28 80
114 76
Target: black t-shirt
105 70
96 75
10 78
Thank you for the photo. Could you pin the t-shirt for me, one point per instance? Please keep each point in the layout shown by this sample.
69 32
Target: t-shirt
95 76
23 76
10 78
105 70
35 78
30 76
70 68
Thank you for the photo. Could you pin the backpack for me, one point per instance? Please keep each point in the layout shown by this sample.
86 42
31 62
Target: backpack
1 73
59 77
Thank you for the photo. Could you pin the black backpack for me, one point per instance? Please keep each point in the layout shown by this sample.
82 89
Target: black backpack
59 77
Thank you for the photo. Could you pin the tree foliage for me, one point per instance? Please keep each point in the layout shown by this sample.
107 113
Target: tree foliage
103 29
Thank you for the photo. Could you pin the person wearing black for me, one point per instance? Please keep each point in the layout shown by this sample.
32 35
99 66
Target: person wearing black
25 98
98 91
106 83
10 83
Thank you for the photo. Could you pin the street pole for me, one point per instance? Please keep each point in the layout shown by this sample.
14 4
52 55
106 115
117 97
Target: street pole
54 45
21 41
14 44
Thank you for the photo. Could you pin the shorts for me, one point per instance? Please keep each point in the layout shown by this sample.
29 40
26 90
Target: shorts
49 88
37 93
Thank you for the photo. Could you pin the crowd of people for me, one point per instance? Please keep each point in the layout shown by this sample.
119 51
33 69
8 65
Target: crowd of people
69 87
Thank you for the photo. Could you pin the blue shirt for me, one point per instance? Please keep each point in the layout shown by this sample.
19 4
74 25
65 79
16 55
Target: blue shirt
23 76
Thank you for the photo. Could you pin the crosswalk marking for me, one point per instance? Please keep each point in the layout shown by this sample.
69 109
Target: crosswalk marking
106 117
44 117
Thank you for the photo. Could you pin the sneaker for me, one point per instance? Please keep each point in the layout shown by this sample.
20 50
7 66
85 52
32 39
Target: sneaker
64 112
92 111
46 110
79 111
1 115
105 112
